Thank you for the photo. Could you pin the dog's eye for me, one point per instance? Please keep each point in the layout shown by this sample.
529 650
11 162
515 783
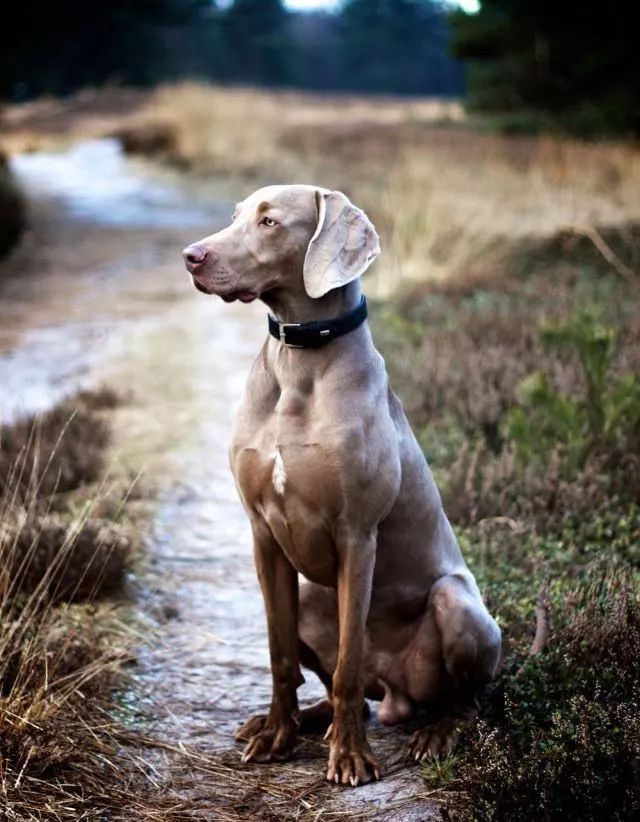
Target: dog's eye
268 221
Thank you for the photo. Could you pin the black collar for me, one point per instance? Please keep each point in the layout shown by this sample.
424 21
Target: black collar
318 332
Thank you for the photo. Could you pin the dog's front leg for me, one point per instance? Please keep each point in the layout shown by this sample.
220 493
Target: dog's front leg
350 758
273 736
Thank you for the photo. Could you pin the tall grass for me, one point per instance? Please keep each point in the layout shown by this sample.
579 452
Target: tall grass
61 647
245 131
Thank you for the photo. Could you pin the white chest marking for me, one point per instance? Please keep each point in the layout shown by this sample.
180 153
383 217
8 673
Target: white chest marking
278 476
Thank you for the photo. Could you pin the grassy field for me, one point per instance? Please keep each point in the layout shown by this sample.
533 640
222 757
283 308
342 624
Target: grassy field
526 398
507 307
451 201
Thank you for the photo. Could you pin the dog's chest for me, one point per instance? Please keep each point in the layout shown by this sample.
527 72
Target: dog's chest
283 485
271 421
287 472
287 469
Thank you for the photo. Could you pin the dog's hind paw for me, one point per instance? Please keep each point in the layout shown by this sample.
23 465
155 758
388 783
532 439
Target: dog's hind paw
434 740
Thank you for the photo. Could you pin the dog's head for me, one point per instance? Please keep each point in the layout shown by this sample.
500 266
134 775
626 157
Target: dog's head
281 237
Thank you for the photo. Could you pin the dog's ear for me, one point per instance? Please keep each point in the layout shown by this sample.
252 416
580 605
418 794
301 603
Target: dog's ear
344 244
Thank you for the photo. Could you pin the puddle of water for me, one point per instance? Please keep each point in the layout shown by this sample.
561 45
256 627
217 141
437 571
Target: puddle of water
97 183
51 363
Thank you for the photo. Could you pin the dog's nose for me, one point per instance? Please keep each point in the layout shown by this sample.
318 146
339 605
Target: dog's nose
195 255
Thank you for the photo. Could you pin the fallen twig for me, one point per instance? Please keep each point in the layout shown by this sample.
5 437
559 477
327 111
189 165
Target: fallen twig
541 638
607 252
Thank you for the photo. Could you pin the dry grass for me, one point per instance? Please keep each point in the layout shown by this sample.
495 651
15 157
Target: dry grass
61 650
50 123
58 451
244 131
449 202
214 784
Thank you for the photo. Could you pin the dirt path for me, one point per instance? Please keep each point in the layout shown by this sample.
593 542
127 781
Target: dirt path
96 294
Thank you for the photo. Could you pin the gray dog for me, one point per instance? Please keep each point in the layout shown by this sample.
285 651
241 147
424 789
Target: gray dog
338 490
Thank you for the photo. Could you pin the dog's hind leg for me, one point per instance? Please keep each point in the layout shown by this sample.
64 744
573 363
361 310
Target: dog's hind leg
318 635
470 649
317 717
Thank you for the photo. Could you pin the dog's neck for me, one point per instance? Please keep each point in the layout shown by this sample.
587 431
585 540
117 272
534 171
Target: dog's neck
289 306
306 369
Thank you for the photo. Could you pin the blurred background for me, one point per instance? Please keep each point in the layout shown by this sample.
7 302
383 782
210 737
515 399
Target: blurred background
494 144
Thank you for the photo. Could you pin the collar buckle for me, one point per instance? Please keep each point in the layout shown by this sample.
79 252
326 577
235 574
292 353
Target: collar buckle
282 333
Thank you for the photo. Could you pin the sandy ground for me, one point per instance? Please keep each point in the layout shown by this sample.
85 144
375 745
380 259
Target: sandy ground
96 293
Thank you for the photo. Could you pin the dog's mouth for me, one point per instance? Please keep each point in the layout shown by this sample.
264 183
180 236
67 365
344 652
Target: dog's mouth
201 286
244 295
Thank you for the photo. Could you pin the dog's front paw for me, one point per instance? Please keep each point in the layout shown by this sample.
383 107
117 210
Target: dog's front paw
433 741
351 760
267 742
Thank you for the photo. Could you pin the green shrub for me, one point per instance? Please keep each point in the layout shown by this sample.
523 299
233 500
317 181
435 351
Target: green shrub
568 441
561 733
605 415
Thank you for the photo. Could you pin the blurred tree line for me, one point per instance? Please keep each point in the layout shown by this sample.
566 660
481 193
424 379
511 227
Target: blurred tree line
395 46
573 63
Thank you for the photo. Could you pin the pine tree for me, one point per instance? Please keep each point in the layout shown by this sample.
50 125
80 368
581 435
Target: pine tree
257 38
572 62
397 46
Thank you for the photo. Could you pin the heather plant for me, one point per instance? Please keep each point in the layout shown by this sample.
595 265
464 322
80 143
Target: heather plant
560 735
525 395
605 414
